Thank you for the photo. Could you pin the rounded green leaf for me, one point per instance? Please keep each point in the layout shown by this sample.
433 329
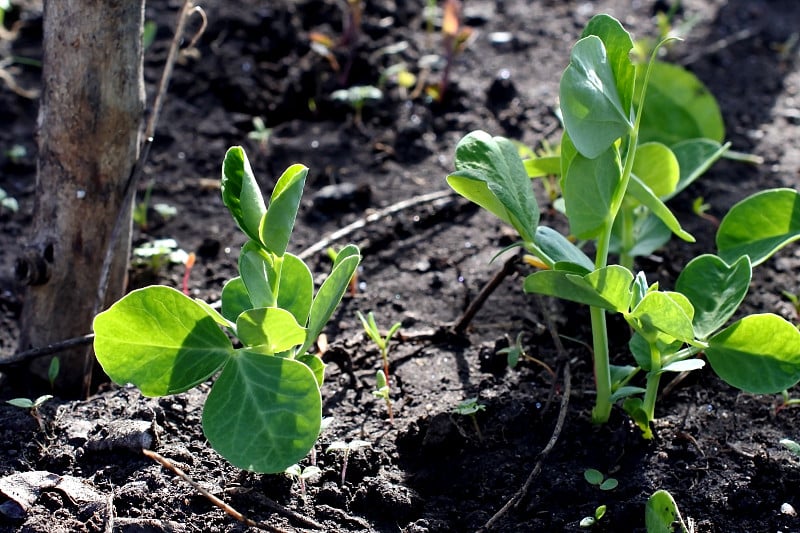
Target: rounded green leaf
677 107
593 113
259 274
263 413
667 312
657 167
758 354
235 299
160 340
760 225
618 44
272 329
560 250
715 289
661 513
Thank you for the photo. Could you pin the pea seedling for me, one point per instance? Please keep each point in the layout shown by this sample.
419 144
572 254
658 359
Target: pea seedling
661 514
358 96
32 406
345 448
302 474
604 169
470 407
264 411
590 521
596 478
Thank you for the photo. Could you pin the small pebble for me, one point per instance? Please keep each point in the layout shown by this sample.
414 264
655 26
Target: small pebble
787 509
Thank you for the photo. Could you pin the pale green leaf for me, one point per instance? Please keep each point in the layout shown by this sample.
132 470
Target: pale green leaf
668 312
296 288
758 354
560 250
657 167
259 274
272 329
760 225
618 44
160 340
241 193
661 514
646 197
588 188
235 299
276 225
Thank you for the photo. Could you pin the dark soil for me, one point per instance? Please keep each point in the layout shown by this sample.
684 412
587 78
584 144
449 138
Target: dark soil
716 449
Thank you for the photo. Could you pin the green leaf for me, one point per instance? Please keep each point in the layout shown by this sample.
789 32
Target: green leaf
758 354
715 289
661 513
537 167
760 225
314 362
160 340
695 156
213 313
657 167
648 198
677 107
609 484
296 289
560 250
235 299
668 312
259 274
264 412
240 192
649 234
607 288
272 329
490 173
277 223
593 476
22 403
593 113
588 188
328 298
618 44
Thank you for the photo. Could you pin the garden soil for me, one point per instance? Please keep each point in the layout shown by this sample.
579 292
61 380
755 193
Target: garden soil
716 449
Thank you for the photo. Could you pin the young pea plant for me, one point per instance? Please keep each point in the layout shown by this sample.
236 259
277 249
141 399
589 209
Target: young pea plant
264 411
302 474
382 342
358 96
471 407
591 521
603 167
32 406
345 448
596 478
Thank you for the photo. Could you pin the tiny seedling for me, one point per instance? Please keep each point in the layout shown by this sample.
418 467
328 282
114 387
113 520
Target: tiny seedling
596 478
32 406
794 299
662 515
515 351
141 210
155 254
382 391
346 448
358 96
8 203
590 521
619 161
53 370
791 445
17 153
260 133
372 331
470 408
786 401
302 475
264 411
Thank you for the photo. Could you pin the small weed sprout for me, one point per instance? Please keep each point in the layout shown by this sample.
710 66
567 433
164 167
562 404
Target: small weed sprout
32 406
260 133
470 407
590 521
794 299
595 477
156 254
141 210
786 401
296 472
372 331
516 351
345 448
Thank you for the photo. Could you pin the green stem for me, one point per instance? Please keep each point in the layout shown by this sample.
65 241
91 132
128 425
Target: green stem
602 368
653 380
628 219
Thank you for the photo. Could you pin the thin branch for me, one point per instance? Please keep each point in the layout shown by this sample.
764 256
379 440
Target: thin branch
166 463
374 217
508 267
123 219
48 350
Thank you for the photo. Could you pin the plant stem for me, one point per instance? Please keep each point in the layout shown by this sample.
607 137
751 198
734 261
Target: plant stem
653 380
625 258
602 369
